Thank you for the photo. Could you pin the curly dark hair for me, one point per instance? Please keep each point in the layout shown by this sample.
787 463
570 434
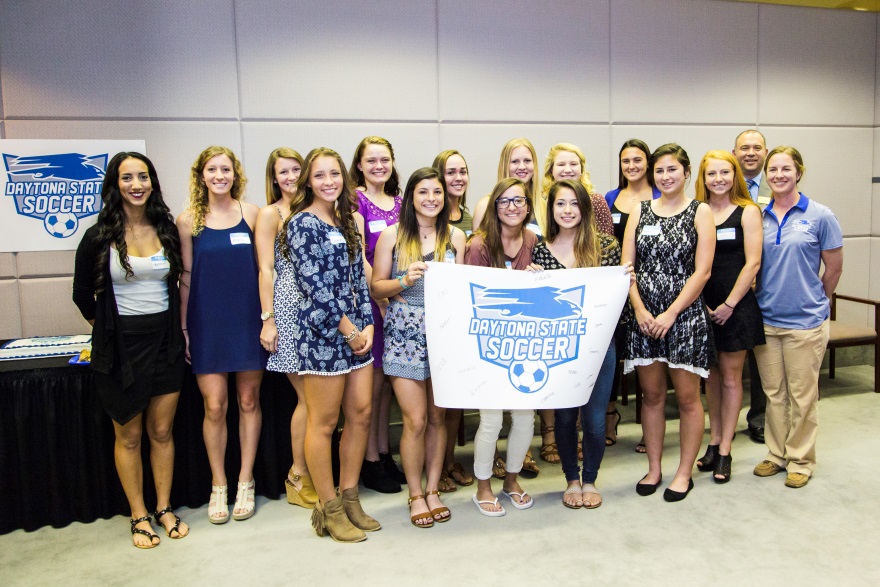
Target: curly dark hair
112 219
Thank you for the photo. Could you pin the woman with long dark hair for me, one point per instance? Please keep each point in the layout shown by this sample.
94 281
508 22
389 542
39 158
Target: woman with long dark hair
423 234
125 285
634 186
377 186
333 340
573 240
221 317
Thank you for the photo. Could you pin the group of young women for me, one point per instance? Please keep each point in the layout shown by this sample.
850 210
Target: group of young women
325 284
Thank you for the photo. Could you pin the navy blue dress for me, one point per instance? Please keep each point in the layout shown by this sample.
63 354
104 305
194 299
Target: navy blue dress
331 286
223 314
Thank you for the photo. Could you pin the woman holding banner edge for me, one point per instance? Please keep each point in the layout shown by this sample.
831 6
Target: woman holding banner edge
573 240
422 234
503 241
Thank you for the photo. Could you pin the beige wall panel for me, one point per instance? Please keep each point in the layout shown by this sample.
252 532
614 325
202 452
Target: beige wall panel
687 61
10 316
338 59
816 67
119 59
47 308
7 265
506 60
45 263
856 279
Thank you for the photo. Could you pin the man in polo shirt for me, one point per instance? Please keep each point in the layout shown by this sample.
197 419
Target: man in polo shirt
750 149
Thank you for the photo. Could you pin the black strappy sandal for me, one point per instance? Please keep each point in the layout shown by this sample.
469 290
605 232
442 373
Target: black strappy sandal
175 528
154 538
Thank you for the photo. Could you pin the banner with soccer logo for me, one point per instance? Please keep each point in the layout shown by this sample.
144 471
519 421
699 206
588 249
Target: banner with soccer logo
50 190
503 339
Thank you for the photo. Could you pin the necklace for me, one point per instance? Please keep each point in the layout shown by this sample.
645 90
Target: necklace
425 236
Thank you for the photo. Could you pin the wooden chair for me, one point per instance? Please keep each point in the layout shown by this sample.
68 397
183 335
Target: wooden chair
845 334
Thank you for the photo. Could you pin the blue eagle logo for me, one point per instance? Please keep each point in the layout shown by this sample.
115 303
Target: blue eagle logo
61 166
528 331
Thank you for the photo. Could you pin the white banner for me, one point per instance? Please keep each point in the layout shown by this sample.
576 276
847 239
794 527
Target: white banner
507 339
50 190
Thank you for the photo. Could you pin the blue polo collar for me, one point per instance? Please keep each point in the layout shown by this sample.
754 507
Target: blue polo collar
802 203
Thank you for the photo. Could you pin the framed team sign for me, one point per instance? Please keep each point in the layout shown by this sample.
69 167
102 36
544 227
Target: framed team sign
51 190
503 339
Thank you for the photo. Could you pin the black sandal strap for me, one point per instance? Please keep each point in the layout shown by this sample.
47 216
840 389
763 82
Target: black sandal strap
136 530
175 528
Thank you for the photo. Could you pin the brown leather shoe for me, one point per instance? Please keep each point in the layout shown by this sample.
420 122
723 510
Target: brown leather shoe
767 469
796 480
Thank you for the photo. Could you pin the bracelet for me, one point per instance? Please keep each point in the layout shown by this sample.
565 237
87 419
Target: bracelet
353 335
402 284
728 305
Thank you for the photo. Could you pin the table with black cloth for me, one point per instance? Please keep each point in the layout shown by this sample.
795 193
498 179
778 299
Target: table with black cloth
56 447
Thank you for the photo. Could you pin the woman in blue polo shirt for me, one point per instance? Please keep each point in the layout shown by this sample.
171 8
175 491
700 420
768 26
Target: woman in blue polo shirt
799 233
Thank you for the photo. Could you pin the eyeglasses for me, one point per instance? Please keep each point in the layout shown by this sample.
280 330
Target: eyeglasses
518 202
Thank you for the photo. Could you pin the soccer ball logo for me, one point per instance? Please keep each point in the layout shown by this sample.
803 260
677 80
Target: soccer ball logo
61 224
528 376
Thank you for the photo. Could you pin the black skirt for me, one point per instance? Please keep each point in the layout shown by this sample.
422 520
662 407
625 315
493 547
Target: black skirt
145 340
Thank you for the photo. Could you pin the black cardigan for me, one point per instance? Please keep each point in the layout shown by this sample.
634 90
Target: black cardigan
108 352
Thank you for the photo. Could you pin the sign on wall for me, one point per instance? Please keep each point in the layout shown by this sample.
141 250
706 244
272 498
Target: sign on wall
507 339
51 190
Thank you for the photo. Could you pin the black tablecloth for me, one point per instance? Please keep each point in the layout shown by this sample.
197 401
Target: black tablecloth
56 449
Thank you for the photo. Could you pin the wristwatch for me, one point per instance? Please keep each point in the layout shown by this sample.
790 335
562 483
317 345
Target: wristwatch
266 315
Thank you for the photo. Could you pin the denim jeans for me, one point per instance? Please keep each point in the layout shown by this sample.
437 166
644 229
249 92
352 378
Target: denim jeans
592 422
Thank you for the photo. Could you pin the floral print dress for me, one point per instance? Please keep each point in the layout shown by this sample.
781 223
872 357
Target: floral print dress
332 286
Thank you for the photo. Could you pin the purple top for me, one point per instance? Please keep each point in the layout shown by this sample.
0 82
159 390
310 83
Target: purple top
376 220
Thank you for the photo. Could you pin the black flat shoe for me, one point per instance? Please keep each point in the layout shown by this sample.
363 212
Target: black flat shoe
646 489
392 470
708 460
722 467
670 495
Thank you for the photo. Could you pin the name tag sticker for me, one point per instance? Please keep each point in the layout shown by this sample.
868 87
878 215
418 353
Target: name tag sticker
378 225
616 217
239 238
336 238
651 230
763 200
160 262
725 234
801 225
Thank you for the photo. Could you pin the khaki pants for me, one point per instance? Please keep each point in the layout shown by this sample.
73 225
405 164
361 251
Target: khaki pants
789 364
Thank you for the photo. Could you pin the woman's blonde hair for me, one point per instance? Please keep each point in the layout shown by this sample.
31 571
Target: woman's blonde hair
273 190
197 204
541 205
504 162
791 152
739 193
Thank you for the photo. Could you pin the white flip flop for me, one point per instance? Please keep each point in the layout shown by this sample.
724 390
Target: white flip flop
487 512
522 496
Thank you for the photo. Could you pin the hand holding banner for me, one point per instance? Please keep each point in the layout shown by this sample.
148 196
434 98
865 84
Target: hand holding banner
502 339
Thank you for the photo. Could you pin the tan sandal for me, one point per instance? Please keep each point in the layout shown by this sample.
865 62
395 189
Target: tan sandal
549 452
499 468
426 518
588 489
573 490
244 500
439 511
458 474
446 484
218 505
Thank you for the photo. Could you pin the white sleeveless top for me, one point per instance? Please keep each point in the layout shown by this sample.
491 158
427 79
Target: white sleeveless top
145 292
